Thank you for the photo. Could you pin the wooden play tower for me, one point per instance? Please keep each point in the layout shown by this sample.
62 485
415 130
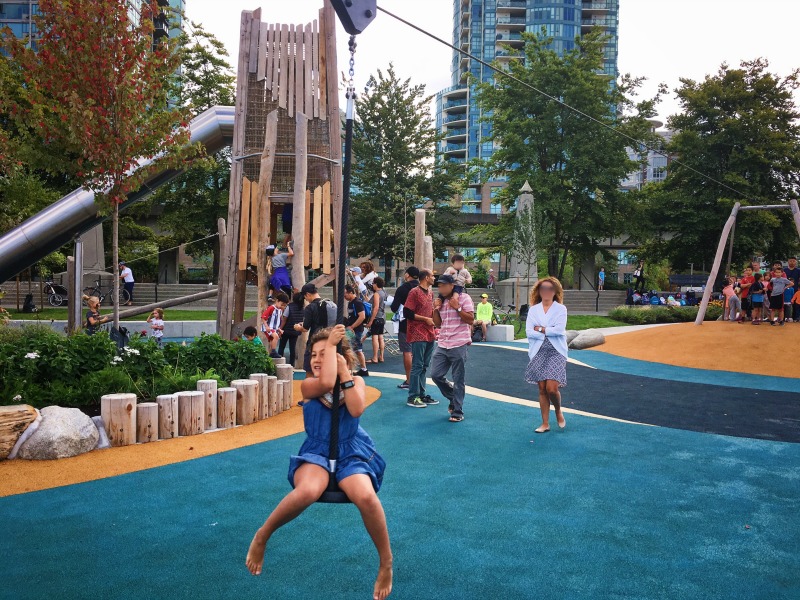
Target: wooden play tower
286 158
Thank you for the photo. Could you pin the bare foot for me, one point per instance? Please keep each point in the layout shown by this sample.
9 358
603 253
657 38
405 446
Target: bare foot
255 555
383 584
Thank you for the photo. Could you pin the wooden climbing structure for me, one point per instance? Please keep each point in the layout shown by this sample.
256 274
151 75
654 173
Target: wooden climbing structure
286 174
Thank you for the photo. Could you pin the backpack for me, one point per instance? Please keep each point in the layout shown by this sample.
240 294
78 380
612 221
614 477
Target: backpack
329 316
367 310
28 306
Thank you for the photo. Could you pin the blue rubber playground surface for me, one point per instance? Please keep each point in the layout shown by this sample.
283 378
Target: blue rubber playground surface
482 509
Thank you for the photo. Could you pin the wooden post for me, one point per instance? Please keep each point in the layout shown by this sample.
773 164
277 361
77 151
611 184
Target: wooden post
191 413
299 200
272 394
146 422
326 227
279 396
72 322
286 374
264 184
244 224
263 394
712 276
119 414
224 266
226 407
419 238
167 416
246 401
279 361
795 214
228 271
331 77
209 389
428 253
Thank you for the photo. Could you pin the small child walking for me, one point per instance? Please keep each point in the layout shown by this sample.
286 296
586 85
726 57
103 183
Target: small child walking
360 468
156 321
459 272
601 279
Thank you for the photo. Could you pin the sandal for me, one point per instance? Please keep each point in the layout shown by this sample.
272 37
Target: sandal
456 418
541 430
373 362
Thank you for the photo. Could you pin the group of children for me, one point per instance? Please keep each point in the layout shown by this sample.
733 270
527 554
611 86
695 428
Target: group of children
755 296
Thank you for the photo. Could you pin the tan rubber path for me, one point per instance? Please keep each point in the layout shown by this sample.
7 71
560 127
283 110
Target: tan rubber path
716 345
21 476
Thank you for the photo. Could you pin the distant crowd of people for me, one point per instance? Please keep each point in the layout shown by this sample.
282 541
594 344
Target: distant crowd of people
763 294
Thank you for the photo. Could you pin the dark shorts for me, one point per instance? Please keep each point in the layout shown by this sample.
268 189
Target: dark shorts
776 302
377 327
307 360
401 341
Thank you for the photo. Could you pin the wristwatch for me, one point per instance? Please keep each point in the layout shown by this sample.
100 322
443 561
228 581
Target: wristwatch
458 309
346 385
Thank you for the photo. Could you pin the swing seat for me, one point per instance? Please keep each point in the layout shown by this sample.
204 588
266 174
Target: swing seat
333 494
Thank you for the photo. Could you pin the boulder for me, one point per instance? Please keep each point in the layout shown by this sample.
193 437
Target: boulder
587 339
571 335
63 432
103 441
14 420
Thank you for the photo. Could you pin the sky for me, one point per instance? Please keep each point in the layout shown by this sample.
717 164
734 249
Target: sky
662 40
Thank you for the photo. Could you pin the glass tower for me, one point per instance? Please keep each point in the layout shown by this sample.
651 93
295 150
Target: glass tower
484 28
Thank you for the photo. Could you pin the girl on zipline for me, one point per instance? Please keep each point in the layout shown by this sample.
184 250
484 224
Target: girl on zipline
359 469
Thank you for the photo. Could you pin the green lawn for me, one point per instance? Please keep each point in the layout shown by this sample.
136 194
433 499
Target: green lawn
579 323
60 314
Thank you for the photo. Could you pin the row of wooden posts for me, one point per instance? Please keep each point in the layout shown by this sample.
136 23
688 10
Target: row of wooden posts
194 412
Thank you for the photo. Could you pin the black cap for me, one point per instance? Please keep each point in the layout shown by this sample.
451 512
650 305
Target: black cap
308 288
413 272
447 279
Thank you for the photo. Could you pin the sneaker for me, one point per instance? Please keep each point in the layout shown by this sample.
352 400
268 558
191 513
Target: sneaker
429 401
416 403
403 386
362 373
780 322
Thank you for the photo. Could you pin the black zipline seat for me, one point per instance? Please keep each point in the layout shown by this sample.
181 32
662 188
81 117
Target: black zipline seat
355 15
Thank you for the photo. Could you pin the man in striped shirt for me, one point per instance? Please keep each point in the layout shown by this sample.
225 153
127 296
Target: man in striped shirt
454 316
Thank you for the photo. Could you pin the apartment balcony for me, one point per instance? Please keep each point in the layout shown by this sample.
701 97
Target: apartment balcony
599 21
455 103
456 119
160 26
511 23
459 150
505 55
598 6
513 39
455 134
478 218
512 7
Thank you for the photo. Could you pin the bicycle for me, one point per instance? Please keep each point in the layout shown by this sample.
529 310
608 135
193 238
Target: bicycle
56 294
504 316
102 293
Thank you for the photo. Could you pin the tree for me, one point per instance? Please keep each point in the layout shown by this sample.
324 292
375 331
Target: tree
397 169
193 201
101 88
574 162
524 246
739 127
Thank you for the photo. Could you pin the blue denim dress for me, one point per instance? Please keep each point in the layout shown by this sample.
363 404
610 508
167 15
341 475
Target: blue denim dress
357 453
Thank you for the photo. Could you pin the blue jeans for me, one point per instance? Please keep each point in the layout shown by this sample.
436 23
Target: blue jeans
454 360
421 353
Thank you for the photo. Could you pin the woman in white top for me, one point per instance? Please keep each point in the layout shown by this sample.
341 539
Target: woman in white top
546 329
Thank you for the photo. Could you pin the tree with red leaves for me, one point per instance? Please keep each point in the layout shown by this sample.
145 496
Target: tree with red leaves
98 88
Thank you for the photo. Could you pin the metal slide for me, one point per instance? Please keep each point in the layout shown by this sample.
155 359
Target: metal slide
76 213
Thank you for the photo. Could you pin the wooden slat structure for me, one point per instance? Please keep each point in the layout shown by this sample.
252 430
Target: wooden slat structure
288 70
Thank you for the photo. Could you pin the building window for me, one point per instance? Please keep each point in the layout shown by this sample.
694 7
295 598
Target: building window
495 208
624 258
627 278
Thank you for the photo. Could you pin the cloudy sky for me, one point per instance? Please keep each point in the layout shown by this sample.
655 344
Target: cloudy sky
662 40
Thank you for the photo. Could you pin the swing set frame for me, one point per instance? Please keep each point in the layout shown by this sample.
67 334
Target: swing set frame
728 232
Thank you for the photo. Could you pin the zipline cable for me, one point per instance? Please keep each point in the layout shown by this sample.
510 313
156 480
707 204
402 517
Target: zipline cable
639 143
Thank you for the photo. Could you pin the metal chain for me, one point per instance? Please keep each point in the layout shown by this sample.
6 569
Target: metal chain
351 89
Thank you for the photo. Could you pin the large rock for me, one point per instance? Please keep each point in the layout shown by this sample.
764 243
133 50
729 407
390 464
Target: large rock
571 335
14 420
587 339
63 432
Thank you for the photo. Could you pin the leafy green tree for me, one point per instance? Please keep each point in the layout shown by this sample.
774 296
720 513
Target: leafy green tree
100 88
194 200
397 169
739 127
573 163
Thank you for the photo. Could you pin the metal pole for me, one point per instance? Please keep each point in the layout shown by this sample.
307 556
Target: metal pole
730 250
77 292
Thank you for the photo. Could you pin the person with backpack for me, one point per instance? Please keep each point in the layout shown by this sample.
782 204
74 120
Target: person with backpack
292 315
356 318
318 314
410 281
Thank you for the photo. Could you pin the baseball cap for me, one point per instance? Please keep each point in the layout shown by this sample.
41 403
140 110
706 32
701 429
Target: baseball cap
355 270
122 262
446 279
308 288
484 295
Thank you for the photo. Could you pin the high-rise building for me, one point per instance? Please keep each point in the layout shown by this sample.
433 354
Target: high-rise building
19 16
484 28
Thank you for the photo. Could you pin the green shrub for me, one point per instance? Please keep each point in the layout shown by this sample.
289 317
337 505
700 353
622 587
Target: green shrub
646 315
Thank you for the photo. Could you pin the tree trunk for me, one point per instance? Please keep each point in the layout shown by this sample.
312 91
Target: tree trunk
115 261
215 264
388 263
